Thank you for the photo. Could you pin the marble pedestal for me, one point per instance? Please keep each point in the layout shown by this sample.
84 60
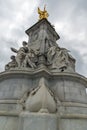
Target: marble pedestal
37 121
68 88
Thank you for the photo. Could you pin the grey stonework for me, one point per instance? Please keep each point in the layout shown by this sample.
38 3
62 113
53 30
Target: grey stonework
68 89
42 49
39 88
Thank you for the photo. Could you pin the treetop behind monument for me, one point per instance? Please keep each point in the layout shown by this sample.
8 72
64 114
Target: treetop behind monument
41 50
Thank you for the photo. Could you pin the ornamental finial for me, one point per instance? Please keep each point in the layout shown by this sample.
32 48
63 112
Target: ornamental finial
43 14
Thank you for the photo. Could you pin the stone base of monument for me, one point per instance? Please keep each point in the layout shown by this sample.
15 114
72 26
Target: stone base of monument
73 124
8 122
44 121
37 121
68 89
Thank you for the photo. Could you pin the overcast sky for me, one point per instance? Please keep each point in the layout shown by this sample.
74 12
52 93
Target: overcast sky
68 16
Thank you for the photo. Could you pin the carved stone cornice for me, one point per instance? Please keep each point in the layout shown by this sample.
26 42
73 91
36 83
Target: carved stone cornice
43 72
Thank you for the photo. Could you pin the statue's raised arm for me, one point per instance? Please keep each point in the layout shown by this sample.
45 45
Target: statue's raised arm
14 50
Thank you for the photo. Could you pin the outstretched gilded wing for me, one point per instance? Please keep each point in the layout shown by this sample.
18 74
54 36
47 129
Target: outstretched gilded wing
39 11
44 7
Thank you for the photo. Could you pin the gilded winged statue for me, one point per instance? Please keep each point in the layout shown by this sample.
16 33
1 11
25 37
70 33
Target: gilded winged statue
43 14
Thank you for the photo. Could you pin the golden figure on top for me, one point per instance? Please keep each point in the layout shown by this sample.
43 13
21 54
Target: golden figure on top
42 14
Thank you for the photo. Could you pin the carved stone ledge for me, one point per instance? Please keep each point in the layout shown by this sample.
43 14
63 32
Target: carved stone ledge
73 116
43 72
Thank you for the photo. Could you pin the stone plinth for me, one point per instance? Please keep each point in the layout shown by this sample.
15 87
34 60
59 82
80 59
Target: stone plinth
69 89
37 121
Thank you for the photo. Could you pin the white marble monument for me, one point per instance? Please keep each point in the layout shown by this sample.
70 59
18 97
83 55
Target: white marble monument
40 89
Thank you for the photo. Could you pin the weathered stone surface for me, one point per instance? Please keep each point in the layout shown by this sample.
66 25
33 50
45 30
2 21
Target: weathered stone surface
41 99
38 122
73 124
40 89
66 88
8 123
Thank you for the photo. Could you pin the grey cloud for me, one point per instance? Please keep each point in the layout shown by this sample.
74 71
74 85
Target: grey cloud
7 10
5 51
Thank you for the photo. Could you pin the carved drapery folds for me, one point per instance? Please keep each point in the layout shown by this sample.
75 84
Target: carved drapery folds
25 57
42 49
56 58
